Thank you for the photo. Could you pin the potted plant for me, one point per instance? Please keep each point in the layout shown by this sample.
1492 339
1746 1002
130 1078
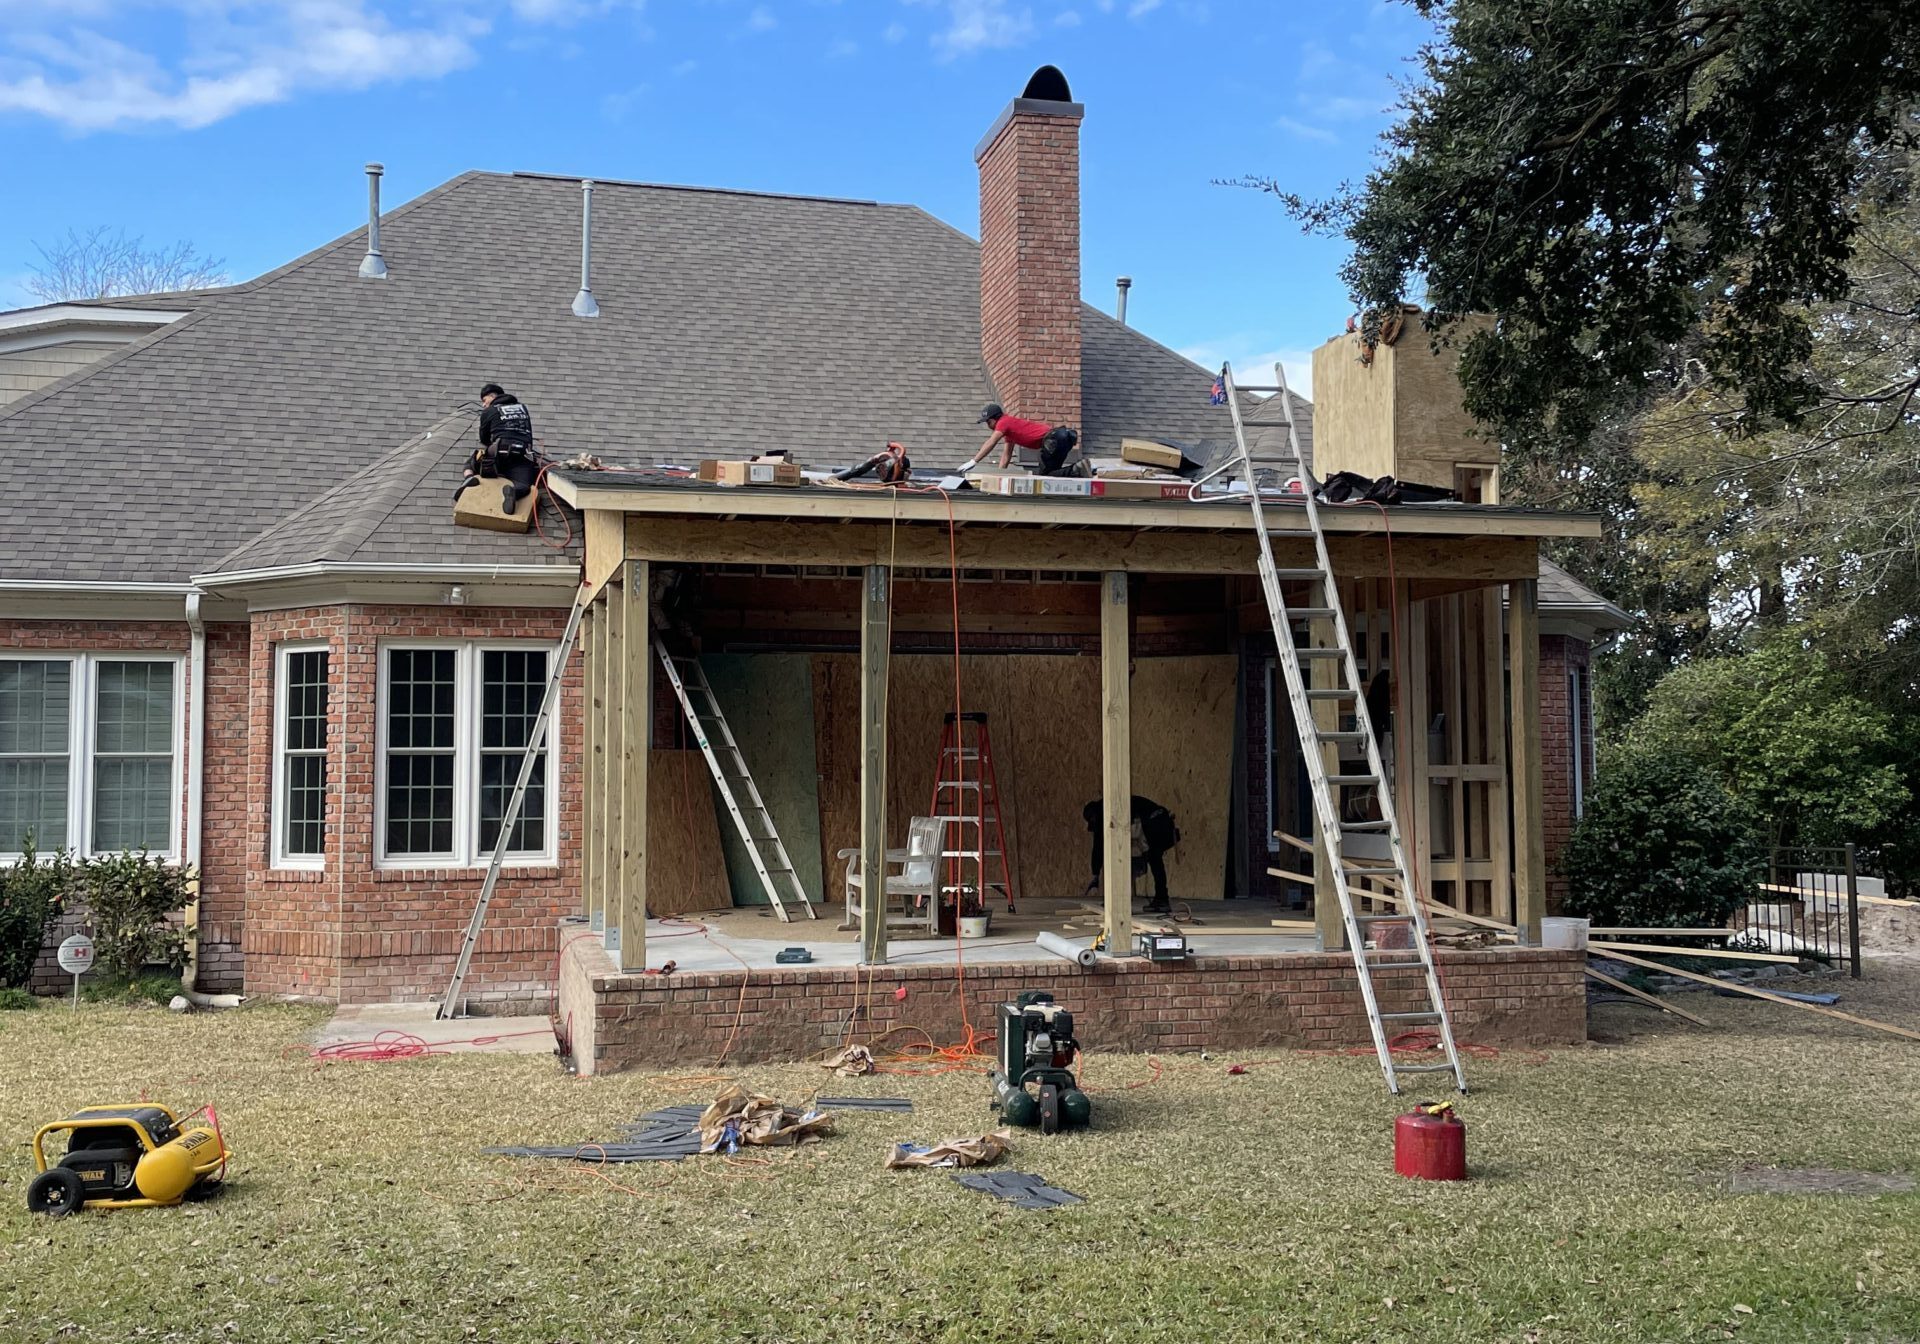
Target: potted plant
974 919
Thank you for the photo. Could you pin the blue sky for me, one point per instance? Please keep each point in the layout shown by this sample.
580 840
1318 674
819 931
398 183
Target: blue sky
242 125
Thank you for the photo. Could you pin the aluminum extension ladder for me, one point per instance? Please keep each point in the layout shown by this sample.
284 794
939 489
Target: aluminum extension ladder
536 738
730 773
1346 686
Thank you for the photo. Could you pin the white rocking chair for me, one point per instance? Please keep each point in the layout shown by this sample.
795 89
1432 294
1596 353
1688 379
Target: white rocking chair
912 875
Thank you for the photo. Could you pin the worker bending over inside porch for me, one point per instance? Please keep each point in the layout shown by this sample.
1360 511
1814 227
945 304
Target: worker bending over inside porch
1054 443
506 447
1154 833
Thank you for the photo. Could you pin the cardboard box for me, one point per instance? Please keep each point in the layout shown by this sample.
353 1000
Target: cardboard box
479 506
1139 487
1015 484
1147 453
758 471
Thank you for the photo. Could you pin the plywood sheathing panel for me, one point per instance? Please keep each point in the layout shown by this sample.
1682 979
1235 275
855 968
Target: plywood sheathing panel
1183 759
1044 714
768 701
686 868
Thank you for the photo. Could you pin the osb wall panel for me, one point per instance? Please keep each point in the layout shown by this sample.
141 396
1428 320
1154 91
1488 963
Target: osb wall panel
1183 759
686 868
768 701
1044 713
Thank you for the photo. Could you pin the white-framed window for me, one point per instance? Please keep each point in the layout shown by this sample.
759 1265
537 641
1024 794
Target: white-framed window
89 753
455 717
1579 714
300 756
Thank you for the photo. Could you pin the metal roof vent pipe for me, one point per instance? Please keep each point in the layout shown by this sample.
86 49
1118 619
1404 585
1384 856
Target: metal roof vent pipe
1121 286
583 304
373 266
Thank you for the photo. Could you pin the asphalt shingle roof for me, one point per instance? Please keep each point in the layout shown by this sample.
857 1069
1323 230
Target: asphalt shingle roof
730 322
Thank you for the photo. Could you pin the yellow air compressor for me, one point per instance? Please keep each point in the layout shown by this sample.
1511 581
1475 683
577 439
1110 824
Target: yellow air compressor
125 1157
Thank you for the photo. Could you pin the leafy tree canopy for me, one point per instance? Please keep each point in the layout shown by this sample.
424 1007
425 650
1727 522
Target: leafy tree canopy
1618 179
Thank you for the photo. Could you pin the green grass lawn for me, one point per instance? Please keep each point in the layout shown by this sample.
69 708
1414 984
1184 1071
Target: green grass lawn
1258 1207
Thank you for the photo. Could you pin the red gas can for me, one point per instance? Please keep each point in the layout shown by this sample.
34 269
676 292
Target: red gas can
1430 1143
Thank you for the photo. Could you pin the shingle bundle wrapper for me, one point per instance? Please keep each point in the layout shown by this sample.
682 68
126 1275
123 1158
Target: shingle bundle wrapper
739 1118
980 1152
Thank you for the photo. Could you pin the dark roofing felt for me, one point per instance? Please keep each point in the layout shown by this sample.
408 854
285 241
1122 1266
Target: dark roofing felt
729 322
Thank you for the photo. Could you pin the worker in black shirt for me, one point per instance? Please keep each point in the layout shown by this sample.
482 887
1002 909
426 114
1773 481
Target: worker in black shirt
1154 833
506 447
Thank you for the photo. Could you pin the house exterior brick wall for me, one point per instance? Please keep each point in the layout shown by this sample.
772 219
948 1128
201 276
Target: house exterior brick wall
1030 260
610 1021
359 932
1560 655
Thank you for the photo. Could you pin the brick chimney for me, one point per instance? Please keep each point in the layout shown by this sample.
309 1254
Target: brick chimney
1030 251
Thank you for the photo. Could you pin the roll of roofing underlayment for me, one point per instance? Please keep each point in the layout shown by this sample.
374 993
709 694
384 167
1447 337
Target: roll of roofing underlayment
1061 947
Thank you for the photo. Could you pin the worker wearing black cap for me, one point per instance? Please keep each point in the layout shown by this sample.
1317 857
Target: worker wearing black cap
506 447
1054 443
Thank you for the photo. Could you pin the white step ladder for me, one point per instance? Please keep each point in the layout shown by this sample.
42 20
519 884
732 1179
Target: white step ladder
737 789
536 744
1346 687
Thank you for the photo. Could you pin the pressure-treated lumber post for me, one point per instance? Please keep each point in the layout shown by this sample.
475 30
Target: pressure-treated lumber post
1529 819
1324 673
1116 762
636 721
873 763
590 775
612 735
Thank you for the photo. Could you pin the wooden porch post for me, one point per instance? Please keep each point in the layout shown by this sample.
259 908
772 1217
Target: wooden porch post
636 719
1116 758
590 772
1323 674
1529 825
612 733
874 652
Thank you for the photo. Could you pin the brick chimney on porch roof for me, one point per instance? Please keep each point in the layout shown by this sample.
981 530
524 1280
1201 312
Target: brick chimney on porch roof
1030 251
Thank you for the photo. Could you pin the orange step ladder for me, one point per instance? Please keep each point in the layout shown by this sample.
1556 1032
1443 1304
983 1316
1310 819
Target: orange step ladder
966 803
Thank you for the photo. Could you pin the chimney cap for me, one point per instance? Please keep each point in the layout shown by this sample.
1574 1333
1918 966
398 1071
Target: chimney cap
1048 85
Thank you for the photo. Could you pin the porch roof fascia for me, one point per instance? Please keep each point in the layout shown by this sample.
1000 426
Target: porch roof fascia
611 492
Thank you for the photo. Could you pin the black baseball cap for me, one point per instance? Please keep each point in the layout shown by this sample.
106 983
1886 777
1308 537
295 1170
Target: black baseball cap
990 414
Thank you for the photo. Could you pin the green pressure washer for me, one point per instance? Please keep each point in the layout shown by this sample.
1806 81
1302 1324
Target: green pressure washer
1034 1084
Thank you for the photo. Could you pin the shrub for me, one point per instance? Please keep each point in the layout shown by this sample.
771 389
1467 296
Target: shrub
149 987
32 894
1662 844
129 898
15 1000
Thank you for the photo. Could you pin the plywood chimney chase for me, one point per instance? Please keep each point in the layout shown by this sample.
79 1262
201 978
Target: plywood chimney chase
1395 410
1030 251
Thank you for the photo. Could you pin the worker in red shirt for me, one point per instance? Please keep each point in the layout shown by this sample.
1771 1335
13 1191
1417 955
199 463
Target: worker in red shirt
1054 443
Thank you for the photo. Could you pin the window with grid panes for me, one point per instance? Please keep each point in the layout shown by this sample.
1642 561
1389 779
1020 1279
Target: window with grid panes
456 724
302 825
420 751
132 756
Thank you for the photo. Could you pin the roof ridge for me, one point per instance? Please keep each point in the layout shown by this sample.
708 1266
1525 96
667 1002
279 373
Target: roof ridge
683 186
86 371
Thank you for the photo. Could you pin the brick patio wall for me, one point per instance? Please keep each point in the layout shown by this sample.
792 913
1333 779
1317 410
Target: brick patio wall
611 1021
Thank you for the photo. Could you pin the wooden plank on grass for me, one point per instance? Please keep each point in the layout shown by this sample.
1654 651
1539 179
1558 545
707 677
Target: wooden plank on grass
1770 998
1653 999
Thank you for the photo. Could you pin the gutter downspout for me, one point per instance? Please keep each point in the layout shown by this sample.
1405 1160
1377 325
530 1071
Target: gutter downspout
196 776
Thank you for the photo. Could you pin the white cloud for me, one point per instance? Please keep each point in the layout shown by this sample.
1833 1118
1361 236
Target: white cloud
1067 18
894 33
979 25
842 49
200 61
684 68
761 20
1139 9
1302 131
1253 365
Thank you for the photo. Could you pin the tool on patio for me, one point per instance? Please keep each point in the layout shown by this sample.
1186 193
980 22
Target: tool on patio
516 801
1033 1084
1397 943
966 802
124 1157
737 789
1155 945
1430 1143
